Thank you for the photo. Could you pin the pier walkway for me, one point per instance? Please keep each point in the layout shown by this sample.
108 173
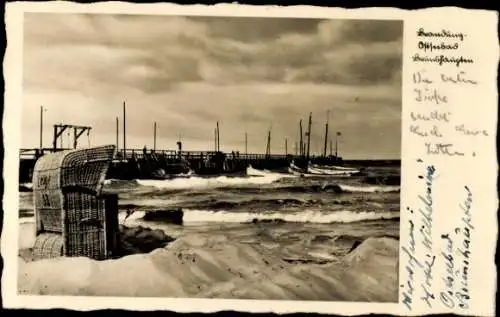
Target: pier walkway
141 163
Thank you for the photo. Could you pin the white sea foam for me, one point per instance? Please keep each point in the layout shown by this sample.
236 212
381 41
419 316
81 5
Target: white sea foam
369 189
316 170
156 202
255 177
205 216
343 216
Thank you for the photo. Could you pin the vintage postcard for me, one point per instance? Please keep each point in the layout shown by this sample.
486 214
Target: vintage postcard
250 158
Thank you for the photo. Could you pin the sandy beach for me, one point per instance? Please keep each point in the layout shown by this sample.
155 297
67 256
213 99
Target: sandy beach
263 236
232 263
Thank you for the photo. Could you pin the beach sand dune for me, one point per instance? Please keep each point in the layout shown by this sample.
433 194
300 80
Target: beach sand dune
215 266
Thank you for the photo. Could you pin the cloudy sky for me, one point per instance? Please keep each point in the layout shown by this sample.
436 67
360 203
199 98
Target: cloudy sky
186 73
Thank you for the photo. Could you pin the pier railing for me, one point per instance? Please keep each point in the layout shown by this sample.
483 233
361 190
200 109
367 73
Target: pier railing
144 163
168 154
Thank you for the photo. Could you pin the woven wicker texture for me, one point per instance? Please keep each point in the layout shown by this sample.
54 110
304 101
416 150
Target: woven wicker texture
56 173
67 193
48 245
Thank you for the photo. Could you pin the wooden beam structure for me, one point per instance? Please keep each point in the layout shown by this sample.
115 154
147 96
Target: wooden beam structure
59 129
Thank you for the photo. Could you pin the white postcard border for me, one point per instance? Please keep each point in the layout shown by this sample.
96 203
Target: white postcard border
13 97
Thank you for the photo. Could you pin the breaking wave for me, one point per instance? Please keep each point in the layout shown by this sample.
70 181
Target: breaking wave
369 189
307 216
255 177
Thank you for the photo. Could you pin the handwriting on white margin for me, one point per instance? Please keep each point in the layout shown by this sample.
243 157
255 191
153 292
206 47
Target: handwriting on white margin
435 130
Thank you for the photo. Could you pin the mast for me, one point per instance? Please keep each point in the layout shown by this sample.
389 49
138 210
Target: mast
337 144
326 132
308 141
117 133
331 147
301 141
215 139
286 146
218 137
124 133
246 143
41 127
268 147
154 136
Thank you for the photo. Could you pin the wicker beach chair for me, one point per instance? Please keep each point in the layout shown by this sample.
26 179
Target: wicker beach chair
73 217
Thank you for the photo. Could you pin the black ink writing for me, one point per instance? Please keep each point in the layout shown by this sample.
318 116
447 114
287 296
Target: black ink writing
419 78
410 267
430 95
434 131
464 235
446 296
434 115
426 212
429 46
458 78
441 34
441 59
417 130
442 149
470 132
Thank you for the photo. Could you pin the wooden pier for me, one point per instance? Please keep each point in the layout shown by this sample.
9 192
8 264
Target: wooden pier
160 164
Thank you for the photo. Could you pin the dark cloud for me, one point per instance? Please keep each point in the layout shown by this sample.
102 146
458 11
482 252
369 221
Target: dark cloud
251 29
368 31
218 50
186 73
